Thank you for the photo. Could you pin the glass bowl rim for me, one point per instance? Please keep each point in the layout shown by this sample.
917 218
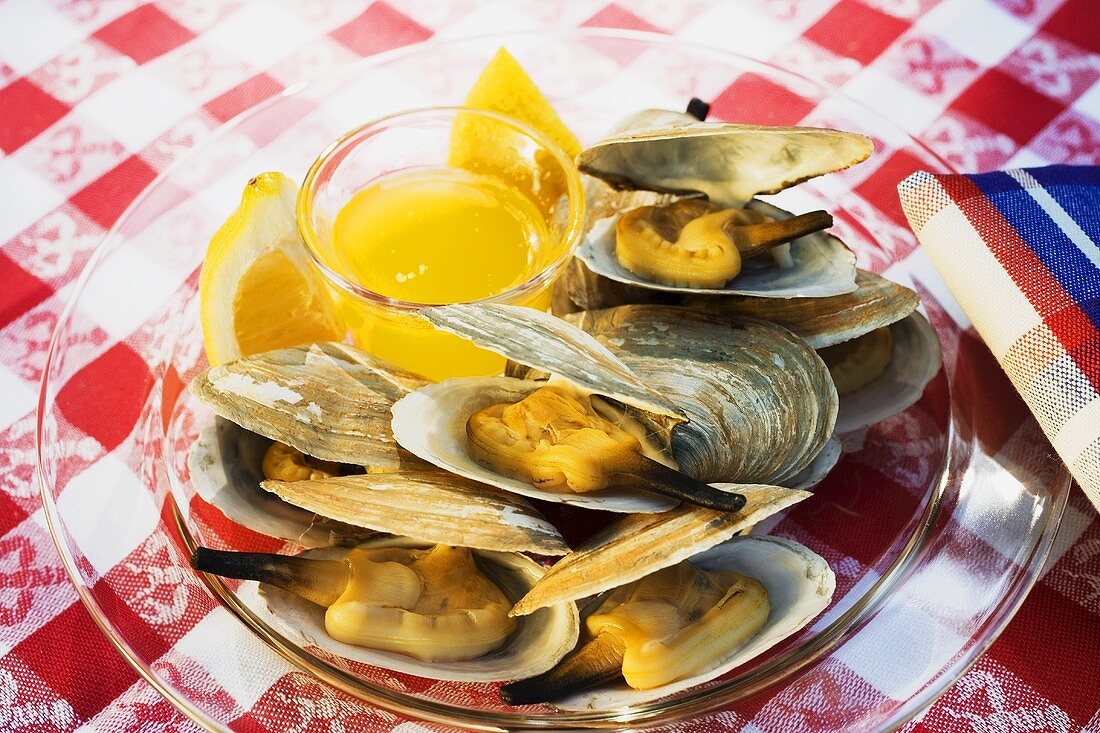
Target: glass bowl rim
571 237
999 614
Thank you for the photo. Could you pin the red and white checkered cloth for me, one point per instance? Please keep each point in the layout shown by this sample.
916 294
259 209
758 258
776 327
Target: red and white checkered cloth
98 96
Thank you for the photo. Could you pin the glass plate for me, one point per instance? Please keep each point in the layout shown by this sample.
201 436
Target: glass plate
936 521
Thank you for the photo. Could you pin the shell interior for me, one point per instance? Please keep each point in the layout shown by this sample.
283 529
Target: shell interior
225 470
821 322
823 266
730 163
640 544
537 643
431 423
431 506
328 400
800 586
916 359
760 402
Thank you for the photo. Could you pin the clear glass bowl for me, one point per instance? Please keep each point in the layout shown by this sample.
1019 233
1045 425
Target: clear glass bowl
936 521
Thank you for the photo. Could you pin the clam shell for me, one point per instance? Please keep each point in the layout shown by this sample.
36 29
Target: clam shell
640 544
587 291
431 423
602 200
535 646
431 506
915 361
761 404
821 322
819 468
328 400
823 266
800 586
225 470
730 163
548 343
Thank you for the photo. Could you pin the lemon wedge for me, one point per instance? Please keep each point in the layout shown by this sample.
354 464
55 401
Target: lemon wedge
258 290
483 145
506 88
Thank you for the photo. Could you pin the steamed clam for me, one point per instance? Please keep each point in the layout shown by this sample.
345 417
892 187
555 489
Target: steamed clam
655 631
881 384
225 464
813 263
728 165
436 611
760 402
295 413
745 574
640 371
666 637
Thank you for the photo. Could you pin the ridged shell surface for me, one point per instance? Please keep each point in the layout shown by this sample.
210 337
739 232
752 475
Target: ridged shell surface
432 506
328 400
548 343
760 402
640 544
821 322
730 163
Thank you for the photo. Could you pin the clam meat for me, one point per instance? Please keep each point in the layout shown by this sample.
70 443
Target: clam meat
678 246
669 625
805 261
685 624
437 611
487 429
694 243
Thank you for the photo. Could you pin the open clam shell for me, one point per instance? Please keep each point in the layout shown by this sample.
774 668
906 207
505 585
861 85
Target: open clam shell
429 505
584 290
821 322
823 266
548 343
730 163
536 644
640 544
800 586
431 423
760 402
916 358
225 466
819 467
328 400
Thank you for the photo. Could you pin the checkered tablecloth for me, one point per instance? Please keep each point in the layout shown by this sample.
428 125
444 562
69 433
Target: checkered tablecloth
98 96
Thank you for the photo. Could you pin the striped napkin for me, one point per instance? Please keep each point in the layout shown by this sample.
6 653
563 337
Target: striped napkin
1020 250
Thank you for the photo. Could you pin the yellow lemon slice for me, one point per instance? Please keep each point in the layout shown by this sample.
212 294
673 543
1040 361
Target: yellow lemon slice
485 146
258 290
506 88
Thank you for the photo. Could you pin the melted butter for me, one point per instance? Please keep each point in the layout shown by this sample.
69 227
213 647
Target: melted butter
434 604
